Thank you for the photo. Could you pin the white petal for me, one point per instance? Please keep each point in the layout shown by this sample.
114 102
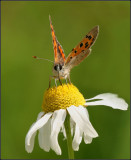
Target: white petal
85 115
44 136
63 131
58 119
42 121
72 125
108 99
87 139
84 112
80 118
77 138
40 115
30 147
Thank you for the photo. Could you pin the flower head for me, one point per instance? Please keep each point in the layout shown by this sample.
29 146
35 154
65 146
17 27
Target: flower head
62 97
57 103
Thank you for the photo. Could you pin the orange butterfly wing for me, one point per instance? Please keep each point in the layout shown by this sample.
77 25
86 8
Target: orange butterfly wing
58 51
82 50
78 59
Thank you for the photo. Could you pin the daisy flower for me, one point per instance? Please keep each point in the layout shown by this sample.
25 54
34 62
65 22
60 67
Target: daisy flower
64 110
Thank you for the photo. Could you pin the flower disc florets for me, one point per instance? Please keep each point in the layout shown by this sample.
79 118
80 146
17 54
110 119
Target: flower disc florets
62 97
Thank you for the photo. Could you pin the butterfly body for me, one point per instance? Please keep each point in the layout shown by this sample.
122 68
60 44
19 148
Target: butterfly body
62 65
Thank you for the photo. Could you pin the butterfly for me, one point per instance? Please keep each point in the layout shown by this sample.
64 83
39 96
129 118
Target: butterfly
62 65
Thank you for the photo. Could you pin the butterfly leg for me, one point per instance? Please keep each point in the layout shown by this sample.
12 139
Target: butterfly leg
55 82
59 79
50 78
69 79
67 83
66 80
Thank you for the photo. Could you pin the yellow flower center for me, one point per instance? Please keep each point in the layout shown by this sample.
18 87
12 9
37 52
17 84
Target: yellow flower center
62 97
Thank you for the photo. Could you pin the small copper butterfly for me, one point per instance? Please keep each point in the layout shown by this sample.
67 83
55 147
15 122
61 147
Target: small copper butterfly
62 65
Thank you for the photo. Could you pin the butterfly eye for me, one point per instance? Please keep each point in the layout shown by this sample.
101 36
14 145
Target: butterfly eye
58 67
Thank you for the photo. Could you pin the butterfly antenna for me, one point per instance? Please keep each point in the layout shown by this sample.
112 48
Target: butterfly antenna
50 19
42 58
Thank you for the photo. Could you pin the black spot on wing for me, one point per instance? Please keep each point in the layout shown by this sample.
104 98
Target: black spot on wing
89 37
75 51
81 44
91 43
86 44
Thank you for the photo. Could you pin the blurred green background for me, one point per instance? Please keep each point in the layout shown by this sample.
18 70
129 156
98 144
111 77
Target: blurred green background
25 33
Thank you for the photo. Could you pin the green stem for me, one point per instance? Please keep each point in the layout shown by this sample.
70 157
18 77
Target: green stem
69 138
